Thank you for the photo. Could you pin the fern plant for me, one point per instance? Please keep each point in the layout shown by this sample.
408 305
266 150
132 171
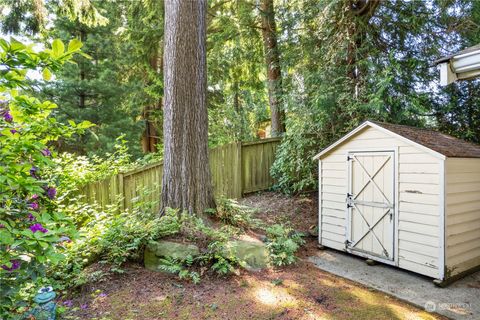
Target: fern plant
232 213
282 243
176 266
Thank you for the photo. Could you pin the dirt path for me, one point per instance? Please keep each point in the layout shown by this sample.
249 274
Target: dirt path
296 292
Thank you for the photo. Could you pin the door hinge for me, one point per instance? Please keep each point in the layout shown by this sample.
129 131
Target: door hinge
349 200
349 158
347 243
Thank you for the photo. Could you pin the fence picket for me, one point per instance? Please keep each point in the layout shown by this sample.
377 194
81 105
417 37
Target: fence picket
236 169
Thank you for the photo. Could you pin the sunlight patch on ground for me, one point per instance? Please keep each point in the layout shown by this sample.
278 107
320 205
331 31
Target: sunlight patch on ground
314 316
404 313
292 285
275 297
327 282
266 296
326 256
366 296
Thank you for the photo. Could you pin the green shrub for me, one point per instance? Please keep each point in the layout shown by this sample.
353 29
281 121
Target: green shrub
32 229
232 213
282 243
73 171
112 237
214 256
180 268
220 260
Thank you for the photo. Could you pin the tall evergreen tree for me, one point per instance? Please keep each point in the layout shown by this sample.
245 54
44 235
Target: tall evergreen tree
95 88
186 172
274 72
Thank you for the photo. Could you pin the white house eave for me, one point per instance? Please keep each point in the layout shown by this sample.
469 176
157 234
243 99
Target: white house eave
460 67
380 128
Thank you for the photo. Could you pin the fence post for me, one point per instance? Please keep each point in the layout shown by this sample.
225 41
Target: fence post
238 173
121 191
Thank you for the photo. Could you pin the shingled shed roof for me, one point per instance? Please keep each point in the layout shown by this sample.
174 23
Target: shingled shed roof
441 144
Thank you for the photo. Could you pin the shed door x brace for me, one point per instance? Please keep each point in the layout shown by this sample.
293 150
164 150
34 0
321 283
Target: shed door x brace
370 204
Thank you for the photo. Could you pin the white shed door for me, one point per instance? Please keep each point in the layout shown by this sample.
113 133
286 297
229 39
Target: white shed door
370 204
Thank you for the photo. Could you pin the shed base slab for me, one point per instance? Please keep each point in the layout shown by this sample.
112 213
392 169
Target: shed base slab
458 301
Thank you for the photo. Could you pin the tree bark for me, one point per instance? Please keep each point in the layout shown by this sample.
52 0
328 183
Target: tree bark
82 95
186 172
362 11
272 60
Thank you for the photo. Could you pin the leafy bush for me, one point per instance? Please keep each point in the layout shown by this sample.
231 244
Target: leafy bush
112 237
312 125
73 171
230 212
180 268
282 244
293 168
214 257
31 228
220 260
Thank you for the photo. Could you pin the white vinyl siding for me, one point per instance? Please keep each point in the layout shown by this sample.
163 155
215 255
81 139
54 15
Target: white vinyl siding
418 187
462 214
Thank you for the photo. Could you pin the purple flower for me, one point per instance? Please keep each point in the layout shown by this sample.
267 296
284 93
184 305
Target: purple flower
15 265
34 197
31 217
38 227
68 303
2 226
46 152
7 116
33 206
64 238
33 172
13 131
84 306
51 192
102 295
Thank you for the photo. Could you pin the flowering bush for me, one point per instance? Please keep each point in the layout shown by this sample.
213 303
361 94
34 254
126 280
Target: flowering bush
31 227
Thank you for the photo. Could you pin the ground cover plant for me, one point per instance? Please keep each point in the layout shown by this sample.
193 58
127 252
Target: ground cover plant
297 291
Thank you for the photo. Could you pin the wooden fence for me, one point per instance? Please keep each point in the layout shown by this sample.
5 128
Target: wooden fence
236 168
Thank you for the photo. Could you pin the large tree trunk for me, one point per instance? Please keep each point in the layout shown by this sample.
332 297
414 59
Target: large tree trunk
274 75
362 11
186 172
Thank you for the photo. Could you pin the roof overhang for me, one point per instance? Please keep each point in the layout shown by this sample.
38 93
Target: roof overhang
386 131
461 66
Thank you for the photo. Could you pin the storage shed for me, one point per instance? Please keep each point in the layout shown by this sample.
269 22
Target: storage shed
403 196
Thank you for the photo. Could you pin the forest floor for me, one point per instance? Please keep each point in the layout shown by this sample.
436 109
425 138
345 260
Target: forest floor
300 291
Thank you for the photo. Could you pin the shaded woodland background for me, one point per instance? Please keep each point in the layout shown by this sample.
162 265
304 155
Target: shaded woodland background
318 68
